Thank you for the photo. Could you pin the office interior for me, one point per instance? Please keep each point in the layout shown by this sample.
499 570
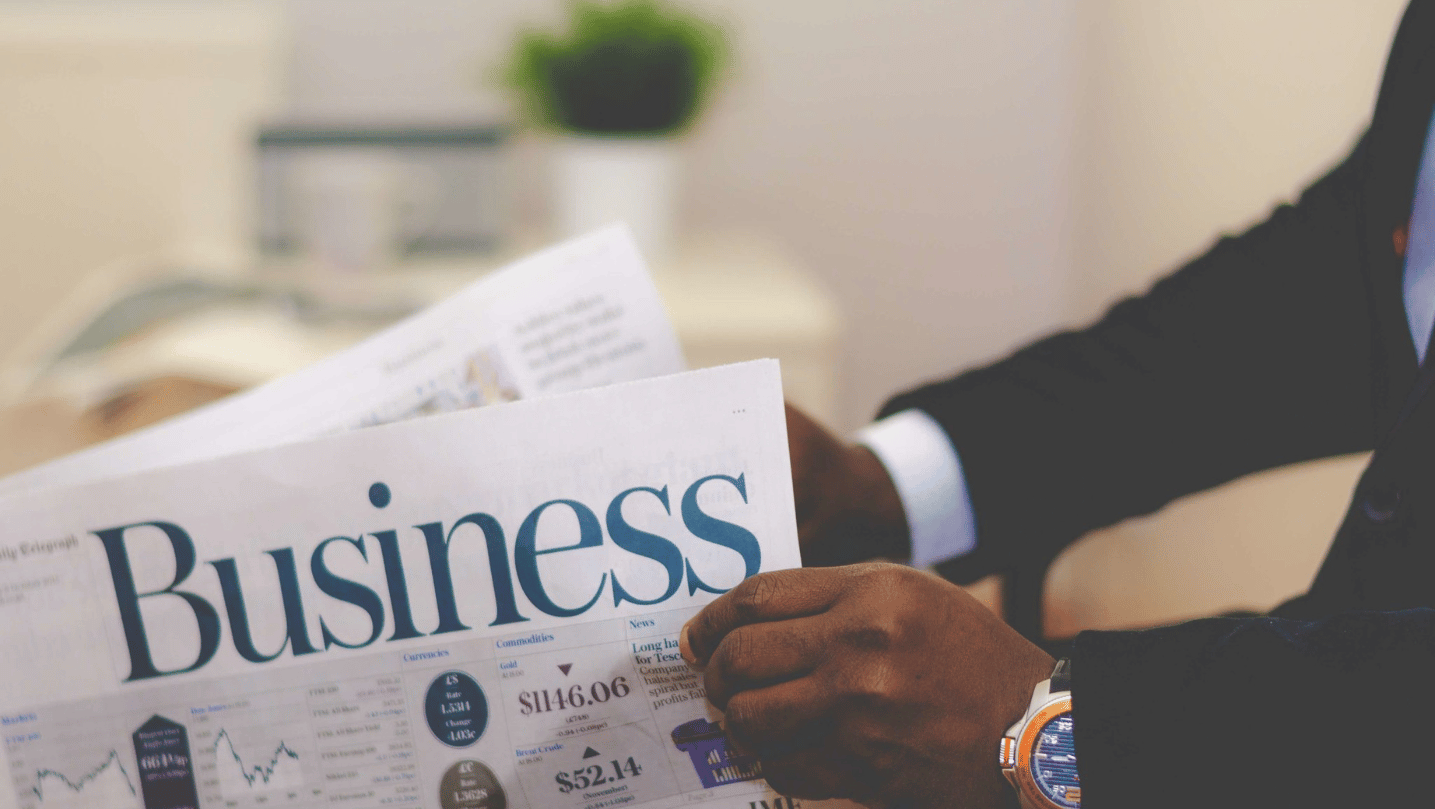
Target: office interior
941 180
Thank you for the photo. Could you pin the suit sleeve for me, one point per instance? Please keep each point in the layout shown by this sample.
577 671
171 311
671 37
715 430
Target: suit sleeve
1254 355
1258 713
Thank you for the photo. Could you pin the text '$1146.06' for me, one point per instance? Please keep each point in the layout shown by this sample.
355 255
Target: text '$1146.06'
574 696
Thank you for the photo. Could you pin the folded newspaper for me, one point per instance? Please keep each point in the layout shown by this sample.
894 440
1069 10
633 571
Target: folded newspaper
476 610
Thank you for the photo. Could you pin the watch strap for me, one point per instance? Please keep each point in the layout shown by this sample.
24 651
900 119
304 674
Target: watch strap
1061 676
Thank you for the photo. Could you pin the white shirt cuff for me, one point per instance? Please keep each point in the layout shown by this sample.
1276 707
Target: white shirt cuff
927 473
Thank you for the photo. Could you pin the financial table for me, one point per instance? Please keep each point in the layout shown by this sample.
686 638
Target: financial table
589 716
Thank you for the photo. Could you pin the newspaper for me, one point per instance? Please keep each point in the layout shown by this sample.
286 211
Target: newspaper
579 315
478 610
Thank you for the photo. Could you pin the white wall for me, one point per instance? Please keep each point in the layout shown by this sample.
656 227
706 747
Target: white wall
914 154
1197 117
126 131
392 58
917 156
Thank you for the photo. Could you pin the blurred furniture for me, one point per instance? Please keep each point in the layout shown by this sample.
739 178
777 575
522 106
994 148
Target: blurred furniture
128 129
136 350
457 190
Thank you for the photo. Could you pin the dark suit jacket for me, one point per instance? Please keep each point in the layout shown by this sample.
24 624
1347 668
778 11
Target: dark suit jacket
1284 344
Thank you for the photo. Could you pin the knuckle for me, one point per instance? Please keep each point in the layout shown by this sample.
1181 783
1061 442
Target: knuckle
741 718
805 646
868 738
715 684
732 657
875 690
751 597
739 647
871 686
888 576
871 570
876 633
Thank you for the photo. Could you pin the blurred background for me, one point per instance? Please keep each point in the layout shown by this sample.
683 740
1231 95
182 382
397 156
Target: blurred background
920 184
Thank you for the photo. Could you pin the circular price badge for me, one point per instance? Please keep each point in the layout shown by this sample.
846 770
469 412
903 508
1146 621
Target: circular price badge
456 709
471 785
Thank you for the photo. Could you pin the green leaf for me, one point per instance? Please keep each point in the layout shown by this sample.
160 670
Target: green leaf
625 67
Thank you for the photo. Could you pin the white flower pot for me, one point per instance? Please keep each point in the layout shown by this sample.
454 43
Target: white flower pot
601 180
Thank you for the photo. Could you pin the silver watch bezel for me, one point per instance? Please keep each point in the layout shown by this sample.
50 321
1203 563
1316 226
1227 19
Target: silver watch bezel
1016 746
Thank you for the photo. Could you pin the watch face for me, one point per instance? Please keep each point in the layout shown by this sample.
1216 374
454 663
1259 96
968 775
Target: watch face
1053 763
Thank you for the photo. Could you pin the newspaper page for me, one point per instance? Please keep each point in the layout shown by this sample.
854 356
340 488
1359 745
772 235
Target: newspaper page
582 314
478 610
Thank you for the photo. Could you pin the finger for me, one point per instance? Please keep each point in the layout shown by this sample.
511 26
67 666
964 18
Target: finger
773 596
810 774
780 720
759 655
800 748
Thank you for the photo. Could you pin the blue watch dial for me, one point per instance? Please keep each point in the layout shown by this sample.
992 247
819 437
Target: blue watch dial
1053 763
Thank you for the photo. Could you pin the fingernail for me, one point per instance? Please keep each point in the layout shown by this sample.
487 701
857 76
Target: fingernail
685 648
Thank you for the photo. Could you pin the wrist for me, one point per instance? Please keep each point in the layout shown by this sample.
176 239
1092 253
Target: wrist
876 507
848 508
923 470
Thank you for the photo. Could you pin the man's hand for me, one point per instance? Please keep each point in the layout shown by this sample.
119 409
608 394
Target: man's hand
847 508
875 682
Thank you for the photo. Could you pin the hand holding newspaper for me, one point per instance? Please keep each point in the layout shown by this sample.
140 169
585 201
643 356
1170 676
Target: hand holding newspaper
478 610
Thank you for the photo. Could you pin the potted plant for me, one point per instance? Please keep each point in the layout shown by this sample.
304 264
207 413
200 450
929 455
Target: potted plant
620 84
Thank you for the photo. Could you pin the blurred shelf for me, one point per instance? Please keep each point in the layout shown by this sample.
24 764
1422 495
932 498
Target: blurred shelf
731 297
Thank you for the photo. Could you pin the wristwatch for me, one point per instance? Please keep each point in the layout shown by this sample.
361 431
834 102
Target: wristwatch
1038 753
